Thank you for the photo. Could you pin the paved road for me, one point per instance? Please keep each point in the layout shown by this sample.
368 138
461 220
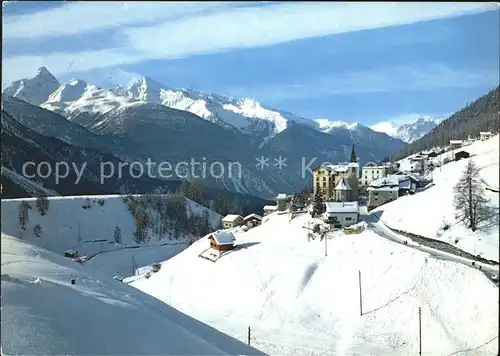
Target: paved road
491 272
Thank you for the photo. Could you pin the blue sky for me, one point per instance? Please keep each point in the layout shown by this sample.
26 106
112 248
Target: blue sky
363 62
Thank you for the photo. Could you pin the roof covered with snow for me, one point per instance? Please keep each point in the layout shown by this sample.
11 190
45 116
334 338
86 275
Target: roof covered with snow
222 237
343 184
456 142
270 207
255 216
343 207
389 181
231 217
281 196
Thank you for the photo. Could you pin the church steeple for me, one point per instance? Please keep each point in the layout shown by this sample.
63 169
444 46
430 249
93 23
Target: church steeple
353 155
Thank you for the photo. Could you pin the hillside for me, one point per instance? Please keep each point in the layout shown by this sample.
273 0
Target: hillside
428 212
299 302
481 115
68 226
44 314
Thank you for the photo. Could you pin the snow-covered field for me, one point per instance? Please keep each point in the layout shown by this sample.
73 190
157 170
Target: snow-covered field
426 213
67 226
299 302
44 314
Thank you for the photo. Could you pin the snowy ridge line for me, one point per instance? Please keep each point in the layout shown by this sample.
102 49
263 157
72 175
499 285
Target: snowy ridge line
441 245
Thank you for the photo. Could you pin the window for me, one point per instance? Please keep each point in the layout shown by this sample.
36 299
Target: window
348 218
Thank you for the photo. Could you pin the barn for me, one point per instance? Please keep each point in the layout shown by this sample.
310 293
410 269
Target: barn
221 240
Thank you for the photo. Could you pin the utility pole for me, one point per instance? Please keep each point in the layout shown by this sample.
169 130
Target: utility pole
78 232
419 331
249 336
325 237
360 297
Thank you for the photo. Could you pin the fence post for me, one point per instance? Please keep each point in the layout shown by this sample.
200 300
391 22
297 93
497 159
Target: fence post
419 331
360 296
249 336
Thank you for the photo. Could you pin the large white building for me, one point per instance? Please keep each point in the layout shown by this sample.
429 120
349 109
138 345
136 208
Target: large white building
342 214
371 173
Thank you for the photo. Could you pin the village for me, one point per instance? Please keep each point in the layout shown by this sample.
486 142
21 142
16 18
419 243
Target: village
340 191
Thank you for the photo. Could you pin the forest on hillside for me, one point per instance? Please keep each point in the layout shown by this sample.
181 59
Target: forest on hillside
481 115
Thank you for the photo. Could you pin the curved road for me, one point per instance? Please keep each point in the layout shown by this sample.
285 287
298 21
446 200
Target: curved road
491 272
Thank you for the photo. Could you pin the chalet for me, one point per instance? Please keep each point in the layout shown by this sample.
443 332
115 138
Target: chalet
485 135
221 240
232 220
432 154
341 214
454 144
252 220
382 191
268 209
461 154
281 202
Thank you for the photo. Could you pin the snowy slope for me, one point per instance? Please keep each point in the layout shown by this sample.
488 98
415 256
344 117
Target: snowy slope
427 212
68 226
44 314
299 302
407 132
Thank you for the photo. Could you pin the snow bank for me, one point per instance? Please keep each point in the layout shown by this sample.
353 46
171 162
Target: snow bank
297 301
44 314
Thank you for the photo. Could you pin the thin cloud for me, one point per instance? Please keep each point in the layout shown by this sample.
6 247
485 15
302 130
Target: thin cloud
375 80
184 29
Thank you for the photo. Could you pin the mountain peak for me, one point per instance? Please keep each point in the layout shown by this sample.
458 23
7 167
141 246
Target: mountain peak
35 90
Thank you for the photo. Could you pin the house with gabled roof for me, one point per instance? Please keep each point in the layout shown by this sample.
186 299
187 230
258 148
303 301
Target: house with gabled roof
341 214
382 190
252 220
231 220
221 240
269 209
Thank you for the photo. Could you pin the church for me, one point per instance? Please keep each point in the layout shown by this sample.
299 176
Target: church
338 182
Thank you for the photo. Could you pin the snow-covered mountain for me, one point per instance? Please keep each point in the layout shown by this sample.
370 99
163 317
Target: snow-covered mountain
35 90
237 114
407 132
146 119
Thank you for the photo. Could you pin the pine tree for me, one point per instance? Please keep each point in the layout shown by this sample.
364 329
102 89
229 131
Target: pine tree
294 206
470 205
318 204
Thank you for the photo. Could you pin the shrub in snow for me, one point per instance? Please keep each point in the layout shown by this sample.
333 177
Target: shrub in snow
37 230
42 204
100 202
156 267
86 204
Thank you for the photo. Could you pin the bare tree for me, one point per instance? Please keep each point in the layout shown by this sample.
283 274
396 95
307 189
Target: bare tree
42 204
470 205
23 214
